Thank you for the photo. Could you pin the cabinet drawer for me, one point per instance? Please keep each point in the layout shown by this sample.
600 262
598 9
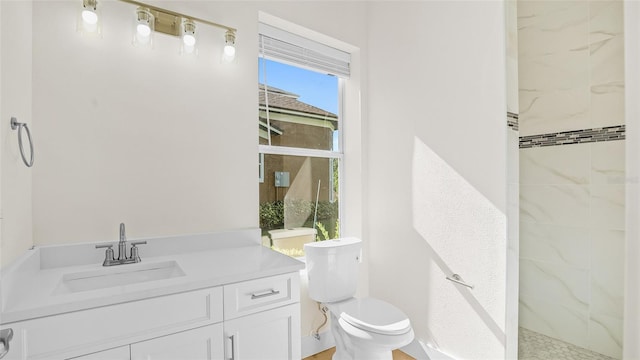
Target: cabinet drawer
81 332
252 296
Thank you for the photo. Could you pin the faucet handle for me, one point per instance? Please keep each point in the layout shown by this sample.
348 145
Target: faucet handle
134 250
108 254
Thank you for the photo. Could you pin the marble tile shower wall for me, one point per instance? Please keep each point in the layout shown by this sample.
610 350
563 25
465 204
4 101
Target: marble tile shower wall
572 243
572 196
570 65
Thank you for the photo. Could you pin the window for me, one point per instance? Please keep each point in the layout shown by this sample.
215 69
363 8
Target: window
299 139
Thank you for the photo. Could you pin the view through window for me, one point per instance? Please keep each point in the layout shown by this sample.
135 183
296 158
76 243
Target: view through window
300 152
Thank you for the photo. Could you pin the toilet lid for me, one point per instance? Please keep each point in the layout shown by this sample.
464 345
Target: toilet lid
376 316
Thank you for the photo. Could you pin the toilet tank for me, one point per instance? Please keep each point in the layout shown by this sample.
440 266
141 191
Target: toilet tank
332 268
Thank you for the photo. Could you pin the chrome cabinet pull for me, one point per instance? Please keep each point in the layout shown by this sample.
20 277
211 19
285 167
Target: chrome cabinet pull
458 280
232 342
5 337
268 293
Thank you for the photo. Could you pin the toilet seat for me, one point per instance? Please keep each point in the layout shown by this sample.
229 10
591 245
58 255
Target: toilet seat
374 315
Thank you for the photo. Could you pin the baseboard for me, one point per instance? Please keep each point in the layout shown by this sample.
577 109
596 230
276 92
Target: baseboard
311 345
419 350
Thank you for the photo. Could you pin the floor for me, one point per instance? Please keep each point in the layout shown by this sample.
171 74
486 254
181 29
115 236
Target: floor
535 346
326 355
532 346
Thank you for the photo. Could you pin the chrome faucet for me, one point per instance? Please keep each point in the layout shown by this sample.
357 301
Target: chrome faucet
122 244
109 256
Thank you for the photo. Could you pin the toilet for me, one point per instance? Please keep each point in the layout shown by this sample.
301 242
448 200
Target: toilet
363 329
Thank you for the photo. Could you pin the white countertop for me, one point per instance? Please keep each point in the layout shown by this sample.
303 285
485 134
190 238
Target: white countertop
207 260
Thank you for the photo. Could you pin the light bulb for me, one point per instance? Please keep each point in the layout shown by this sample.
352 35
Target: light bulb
143 30
89 17
229 51
189 40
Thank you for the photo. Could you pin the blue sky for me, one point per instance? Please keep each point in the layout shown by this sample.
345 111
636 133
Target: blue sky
314 88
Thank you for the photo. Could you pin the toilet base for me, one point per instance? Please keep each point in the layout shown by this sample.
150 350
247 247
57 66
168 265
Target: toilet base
359 345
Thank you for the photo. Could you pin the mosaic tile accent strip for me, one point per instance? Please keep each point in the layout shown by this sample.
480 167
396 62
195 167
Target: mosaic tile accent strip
609 133
512 121
535 346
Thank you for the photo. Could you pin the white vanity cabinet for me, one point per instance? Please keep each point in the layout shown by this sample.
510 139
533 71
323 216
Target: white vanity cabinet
272 334
77 333
254 319
262 318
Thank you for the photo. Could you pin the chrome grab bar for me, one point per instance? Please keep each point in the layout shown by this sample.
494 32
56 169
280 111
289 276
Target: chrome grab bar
16 125
5 337
458 280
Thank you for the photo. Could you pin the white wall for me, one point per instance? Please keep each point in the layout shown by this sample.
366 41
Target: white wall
437 167
163 143
15 182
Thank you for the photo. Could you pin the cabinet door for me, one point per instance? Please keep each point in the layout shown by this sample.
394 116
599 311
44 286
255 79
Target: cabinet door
268 335
197 344
119 353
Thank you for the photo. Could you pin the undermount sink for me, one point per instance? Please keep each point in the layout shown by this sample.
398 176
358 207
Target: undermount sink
118 275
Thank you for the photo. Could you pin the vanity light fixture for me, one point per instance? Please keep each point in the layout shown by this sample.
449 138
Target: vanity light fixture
150 19
89 19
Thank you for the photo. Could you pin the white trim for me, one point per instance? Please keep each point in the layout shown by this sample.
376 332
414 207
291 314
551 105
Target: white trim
283 150
342 215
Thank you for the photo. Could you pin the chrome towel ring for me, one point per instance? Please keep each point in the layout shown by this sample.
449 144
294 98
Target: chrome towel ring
16 125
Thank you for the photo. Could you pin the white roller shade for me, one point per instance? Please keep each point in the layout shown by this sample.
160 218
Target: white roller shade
283 46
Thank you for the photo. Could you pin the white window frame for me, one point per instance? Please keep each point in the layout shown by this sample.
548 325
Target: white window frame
327 154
